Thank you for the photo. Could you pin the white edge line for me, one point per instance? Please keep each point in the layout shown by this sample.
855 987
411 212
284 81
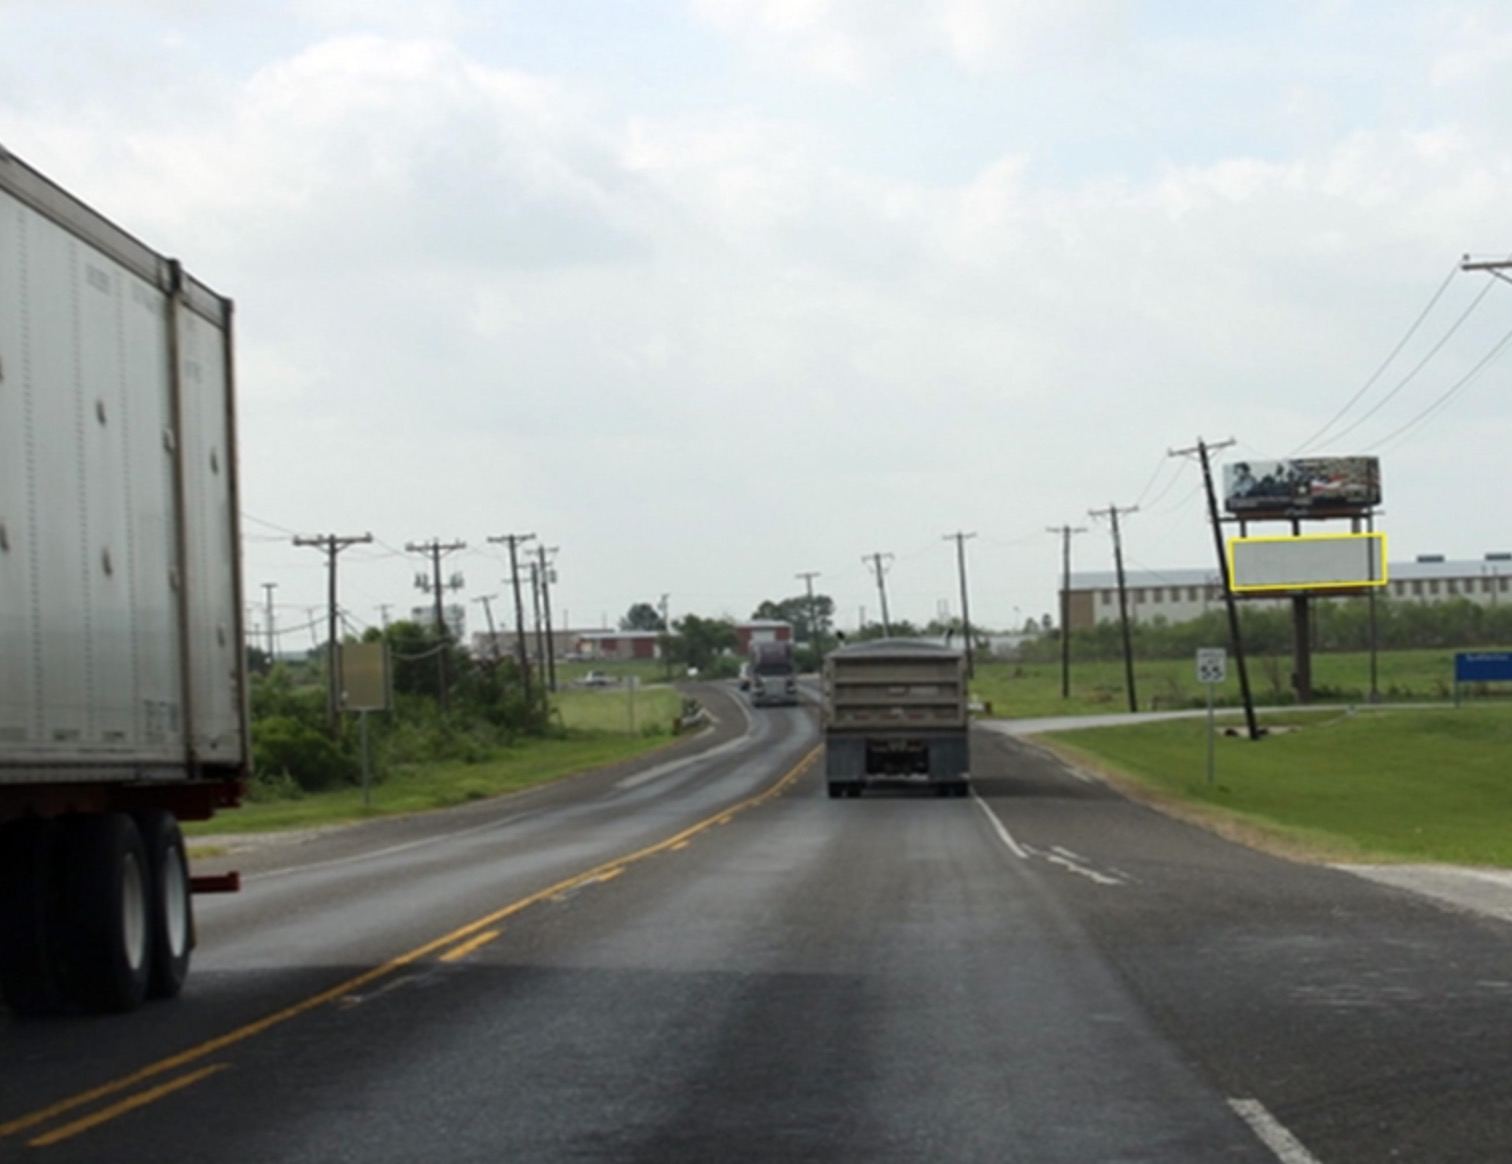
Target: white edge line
1272 1132
373 854
1003 834
650 774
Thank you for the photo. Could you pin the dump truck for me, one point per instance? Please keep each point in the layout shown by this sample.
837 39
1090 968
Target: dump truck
123 702
895 713
773 674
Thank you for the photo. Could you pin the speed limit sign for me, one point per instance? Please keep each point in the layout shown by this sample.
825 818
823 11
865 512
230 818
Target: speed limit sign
1212 665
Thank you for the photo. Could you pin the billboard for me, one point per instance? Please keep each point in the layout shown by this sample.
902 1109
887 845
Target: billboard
1332 485
1310 562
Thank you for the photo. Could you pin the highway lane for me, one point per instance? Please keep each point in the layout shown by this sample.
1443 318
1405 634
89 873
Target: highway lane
313 916
1047 973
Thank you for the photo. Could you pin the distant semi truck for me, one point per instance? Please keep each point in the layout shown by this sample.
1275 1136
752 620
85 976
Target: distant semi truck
773 674
122 668
895 712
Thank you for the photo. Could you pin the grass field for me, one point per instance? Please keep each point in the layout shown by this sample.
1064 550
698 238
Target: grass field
618 709
1034 689
1398 784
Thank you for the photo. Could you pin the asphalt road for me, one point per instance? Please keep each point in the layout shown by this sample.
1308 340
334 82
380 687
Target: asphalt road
713 961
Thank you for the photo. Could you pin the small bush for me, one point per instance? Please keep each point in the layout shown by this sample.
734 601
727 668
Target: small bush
267 787
285 746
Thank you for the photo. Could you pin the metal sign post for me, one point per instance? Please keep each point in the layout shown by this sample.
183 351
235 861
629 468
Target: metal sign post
1212 669
366 685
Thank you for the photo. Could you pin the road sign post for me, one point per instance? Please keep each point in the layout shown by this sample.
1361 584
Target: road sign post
1212 669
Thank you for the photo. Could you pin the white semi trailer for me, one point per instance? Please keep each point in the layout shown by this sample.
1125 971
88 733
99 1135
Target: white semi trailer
122 669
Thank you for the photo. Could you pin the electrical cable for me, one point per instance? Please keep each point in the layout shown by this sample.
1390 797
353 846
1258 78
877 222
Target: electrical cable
1464 381
1418 367
1411 331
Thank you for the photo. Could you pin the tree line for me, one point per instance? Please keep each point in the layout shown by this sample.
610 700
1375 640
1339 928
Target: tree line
1337 625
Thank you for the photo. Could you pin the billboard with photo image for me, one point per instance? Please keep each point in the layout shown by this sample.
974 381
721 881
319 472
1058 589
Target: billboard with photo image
1302 485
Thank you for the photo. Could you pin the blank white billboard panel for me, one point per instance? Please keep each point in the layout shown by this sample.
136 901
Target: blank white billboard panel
1309 562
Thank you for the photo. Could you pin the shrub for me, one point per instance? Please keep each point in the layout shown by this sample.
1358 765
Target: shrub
283 746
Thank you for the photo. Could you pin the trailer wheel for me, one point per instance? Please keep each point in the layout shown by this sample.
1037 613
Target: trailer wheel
170 913
109 911
836 791
30 918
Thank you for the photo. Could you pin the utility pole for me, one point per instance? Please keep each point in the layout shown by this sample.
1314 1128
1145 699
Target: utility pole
1123 597
1066 533
960 540
815 641
877 564
332 544
1496 267
1202 449
666 618
514 541
435 548
493 635
548 576
537 580
268 588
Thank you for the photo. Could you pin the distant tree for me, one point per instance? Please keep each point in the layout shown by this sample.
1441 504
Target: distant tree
642 616
412 654
797 611
701 641
901 629
259 662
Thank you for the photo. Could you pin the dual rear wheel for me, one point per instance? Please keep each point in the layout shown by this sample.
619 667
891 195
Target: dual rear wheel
94 912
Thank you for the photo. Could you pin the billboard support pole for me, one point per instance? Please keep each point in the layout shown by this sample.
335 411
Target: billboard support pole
1302 648
1375 688
1235 640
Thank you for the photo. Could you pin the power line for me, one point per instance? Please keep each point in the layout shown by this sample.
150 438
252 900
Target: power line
1386 363
1411 375
1485 362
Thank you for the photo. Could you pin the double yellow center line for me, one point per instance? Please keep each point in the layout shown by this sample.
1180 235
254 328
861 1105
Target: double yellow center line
452 947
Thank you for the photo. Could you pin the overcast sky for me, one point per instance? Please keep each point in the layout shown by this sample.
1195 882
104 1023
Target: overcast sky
708 293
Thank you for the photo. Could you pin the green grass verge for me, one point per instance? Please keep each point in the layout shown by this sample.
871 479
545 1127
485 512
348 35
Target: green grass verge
618 709
1431 785
1023 690
598 735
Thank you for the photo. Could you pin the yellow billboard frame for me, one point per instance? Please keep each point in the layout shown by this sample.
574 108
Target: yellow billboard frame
1293 587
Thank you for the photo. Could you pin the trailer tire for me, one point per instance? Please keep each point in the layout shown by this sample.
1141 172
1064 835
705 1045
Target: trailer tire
30 918
108 911
170 916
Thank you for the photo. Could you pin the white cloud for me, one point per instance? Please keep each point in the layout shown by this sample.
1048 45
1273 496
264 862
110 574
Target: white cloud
473 295
854 41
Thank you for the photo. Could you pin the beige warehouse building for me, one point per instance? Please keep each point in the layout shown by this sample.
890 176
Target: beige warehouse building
1180 595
